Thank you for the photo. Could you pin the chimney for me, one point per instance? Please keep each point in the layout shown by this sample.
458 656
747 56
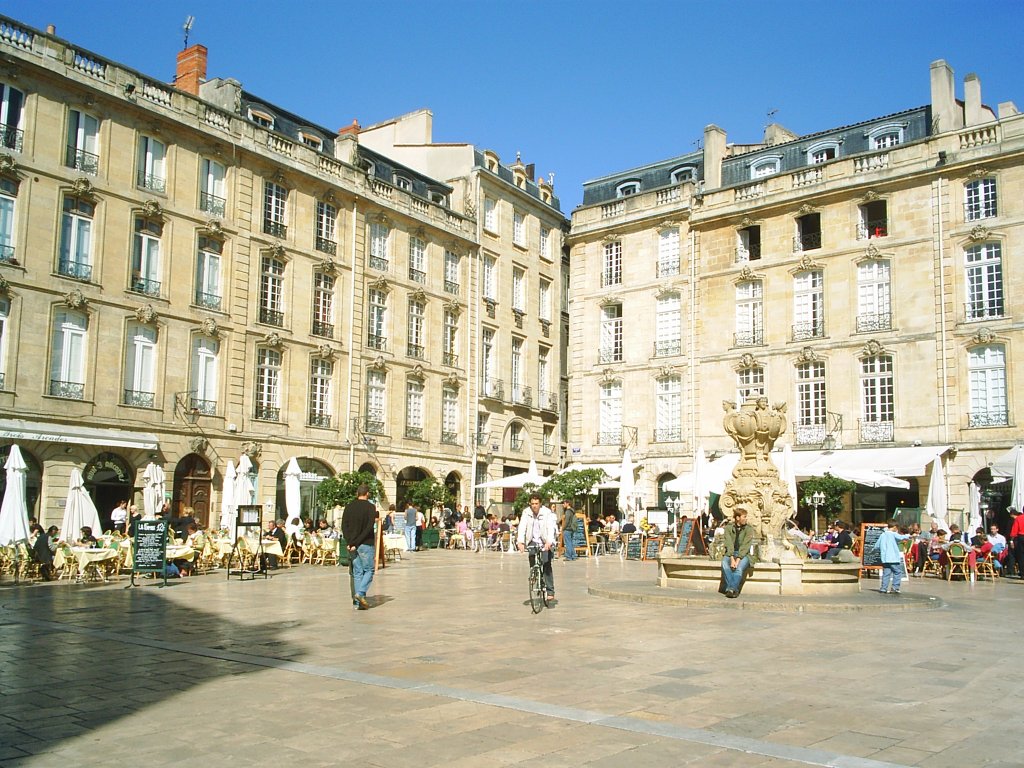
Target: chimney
352 129
974 113
714 154
191 71
946 115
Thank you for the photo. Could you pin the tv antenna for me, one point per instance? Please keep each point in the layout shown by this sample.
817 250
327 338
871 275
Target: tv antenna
188 27
769 115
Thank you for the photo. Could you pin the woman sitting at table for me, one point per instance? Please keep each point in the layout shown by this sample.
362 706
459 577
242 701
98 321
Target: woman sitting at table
325 530
87 539
193 539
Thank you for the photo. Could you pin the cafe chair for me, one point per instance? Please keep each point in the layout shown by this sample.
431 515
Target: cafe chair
958 561
933 566
986 567
328 552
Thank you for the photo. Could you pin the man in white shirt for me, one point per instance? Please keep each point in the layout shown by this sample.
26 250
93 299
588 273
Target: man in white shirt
539 527
996 539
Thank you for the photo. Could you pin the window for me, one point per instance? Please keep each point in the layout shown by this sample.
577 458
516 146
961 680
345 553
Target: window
312 141
628 189
668 252
212 189
450 339
8 196
766 166
873 220
490 278
822 152
885 136
987 373
610 414
204 375
548 440
376 401
667 339
749 383
275 201
272 291
450 416
323 305
67 360
83 142
76 239
140 366
808 233
377 337
151 169
520 394
518 289
321 373
262 119
417 260
326 228
403 182
12 102
668 410
749 319
146 257
490 215
268 384
611 274
417 313
983 265
208 266
5 314
811 407
980 199
482 430
748 243
544 300
611 334
682 174
438 198
379 234
414 409
544 397
518 229
874 312
545 243
808 305
488 366
451 272
515 437
877 399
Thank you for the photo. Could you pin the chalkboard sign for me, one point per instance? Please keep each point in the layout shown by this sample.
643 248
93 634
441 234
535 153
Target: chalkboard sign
149 552
652 548
869 556
634 547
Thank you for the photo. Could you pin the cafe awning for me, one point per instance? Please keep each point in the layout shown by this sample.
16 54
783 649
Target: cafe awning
18 429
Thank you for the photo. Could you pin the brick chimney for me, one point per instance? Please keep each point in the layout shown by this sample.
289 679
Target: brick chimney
191 71
350 129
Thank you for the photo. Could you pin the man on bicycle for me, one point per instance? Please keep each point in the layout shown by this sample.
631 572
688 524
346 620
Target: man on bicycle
539 527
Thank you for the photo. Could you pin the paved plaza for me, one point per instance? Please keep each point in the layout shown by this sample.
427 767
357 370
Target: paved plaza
450 668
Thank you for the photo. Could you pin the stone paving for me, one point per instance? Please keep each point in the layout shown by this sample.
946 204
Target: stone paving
451 668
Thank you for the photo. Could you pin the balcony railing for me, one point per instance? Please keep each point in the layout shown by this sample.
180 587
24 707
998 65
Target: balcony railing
807 242
522 395
380 343
319 420
374 423
79 270
69 390
874 321
749 338
449 438
207 300
11 137
515 444
271 317
482 438
148 287
326 246
267 413
611 278
612 437
376 262
548 449
275 229
810 434
547 400
326 330
610 356
139 399
83 161
668 435
876 431
984 310
988 419
413 433
450 359
416 351
2 379
205 407
871 229
750 253
494 389
7 254
668 268
149 181
667 347
811 329
450 287
211 204
417 275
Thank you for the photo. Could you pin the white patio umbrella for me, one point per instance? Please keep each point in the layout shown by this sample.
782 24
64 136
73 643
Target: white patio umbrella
79 510
1017 494
292 498
936 506
788 473
244 491
14 509
974 520
227 499
530 476
627 486
153 493
701 494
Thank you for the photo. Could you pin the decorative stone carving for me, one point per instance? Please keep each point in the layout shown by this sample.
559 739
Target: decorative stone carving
978 232
452 380
380 284
608 376
983 336
326 352
213 228
252 448
5 286
979 173
608 301
871 252
82 187
327 266
379 218
870 196
806 264
197 444
610 239
667 225
808 355
209 328
418 295
8 165
151 209
746 273
274 340
747 360
805 209
330 197
469 206
453 306
416 372
666 371
146 314
873 347
420 232
745 222
453 246
379 363
277 251
75 299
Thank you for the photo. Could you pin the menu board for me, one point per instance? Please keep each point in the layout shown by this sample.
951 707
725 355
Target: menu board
869 533
634 547
652 548
150 546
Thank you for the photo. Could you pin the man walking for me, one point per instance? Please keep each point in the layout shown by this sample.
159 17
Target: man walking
410 527
539 528
739 552
357 528
569 529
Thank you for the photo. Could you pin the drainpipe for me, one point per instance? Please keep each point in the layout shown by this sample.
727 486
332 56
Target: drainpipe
693 336
475 371
942 313
349 436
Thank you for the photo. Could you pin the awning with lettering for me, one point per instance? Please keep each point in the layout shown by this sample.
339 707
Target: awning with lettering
18 429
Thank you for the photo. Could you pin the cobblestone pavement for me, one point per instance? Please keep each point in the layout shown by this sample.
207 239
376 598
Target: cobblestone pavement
451 668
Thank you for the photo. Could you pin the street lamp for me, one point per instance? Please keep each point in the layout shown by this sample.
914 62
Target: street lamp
815 500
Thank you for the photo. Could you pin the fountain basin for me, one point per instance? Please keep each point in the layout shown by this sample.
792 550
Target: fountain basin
699 574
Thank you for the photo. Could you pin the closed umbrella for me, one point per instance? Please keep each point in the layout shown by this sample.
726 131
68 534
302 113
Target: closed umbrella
14 509
627 487
244 491
292 498
227 499
700 486
936 506
153 492
1017 494
788 472
974 521
79 510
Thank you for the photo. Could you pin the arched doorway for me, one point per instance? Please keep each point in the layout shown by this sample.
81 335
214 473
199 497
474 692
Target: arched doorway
109 479
663 495
453 482
993 499
314 472
193 484
407 477
33 479
368 467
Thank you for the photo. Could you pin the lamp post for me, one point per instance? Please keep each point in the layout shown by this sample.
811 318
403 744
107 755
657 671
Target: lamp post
815 500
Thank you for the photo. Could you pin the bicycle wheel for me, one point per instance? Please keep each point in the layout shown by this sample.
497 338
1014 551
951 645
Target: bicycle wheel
537 598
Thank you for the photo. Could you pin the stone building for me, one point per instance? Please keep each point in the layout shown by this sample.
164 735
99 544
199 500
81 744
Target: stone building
860 274
189 273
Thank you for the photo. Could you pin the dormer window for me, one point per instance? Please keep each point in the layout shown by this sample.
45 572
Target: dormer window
628 189
822 152
262 119
766 166
311 140
682 174
885 136
438 198
403 182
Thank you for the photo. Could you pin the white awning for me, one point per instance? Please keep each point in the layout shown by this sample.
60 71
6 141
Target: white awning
612 470
16 429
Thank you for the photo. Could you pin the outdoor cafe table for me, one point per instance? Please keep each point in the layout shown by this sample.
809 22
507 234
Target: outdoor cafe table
86 556
819 546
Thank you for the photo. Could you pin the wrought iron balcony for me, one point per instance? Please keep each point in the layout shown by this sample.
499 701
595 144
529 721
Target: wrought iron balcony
319 420
611 437
326 330
668 268
548 449
271 317
989 309
750 253
611 278
205 407
79 270
147 287
876 431
208 300
374 423
610 356
871 229
494 389
83 161
417 276
267 413
547 401
810 434
450 287
667 347
449 438
149 181
988 419
11 137
275 228
2 380
482 438
413 433
522 395
668 435
812 329
376 262
416 351
380 343
874 321
326 246
139 399
211 204
515 444
7 254
807 242
69 390
750 338
450 359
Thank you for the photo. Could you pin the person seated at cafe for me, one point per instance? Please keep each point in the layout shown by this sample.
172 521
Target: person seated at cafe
955 534
86 539
937 546
980 547
41 552
193 539
325 530
844 540
274 532
180 524
628 526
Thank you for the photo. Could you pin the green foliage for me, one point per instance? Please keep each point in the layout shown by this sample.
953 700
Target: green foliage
426 494
341 489
522 499
834 489
576 484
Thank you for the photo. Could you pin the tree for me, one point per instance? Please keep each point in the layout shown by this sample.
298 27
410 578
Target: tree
426 494
339 490
834 489
576 485
522 499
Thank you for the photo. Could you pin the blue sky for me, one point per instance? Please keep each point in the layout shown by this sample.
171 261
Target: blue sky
581 89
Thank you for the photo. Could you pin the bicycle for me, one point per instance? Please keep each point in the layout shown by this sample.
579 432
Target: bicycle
538 592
